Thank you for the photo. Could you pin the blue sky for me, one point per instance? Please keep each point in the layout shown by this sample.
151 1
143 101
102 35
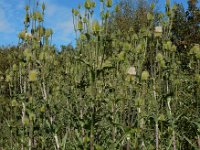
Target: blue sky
58 17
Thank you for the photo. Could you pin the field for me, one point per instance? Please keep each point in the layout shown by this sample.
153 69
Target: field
130 82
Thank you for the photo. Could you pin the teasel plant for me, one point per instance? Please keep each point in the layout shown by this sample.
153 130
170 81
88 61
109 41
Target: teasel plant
114 90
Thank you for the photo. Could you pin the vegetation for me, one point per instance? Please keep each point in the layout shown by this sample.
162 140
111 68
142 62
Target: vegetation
132 85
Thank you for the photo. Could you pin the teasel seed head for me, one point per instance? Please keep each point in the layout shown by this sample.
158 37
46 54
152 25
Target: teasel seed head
75 12
32 117
107 15
43 6
150 16
109 3
25 121
88 4
160 60
80 25
83 37
159 57
96 27
131 71
14 67
117 8
158 31
21 35
48 32
145 75
27 18
8 78
26 7
14 103
33 75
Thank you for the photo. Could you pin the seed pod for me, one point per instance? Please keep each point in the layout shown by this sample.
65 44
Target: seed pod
161 117
88 4
121 56
48 32
159 57
83 37
14 67
75 12
149 16
160 60
26 7
145 75
21 35
32 117
14 103
173 49
109 3
93 4
107 15
39 17
134 37
33 75
158 31
117 8
27 18
43 6
25 121
195 49
131 71
95 27
80 25
8 78
42 109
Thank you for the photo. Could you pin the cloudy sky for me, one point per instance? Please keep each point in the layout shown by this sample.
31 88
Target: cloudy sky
58 17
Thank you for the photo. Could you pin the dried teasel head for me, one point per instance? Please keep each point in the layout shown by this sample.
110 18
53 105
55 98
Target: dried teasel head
158 31
131 71
28 36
